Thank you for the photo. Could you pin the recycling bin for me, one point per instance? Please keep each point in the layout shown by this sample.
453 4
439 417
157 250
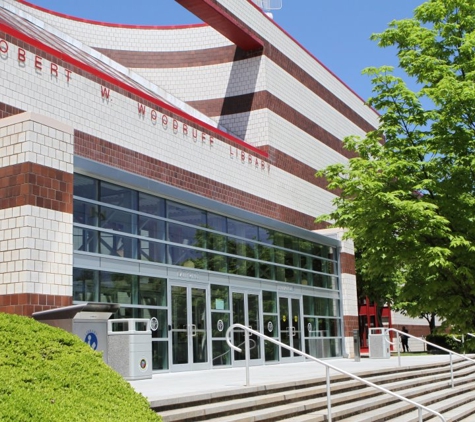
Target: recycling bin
87 320
130 347
379 346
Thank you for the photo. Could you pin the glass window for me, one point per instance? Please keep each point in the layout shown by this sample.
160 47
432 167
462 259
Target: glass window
217 262
116 220
118 245
221 353
85 187
85 213
186 214
186 257
152 291
225 244
269 302
321 306
307 279
266 236
266 271
243 248
241 229
219 297
151 204
116 287
85 285
216 222
265 253
117 195
186 235
85 240
219 324
151 227
241 267
215 242
152 251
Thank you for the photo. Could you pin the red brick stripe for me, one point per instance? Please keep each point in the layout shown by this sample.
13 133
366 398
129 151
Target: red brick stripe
350 323
220 55
264 99
347 263
8 110
28 303
34 184
177 59
105 152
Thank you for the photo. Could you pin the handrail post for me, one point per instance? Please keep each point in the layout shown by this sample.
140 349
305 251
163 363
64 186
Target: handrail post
247 352
328 366
329 400
398 349
451 371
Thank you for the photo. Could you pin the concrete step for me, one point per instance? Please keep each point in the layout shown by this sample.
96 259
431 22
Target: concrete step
404 412
351 401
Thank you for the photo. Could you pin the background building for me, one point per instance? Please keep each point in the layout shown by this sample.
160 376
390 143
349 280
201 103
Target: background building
172 170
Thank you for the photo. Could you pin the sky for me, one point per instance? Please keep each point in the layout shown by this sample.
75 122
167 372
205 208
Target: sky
336 32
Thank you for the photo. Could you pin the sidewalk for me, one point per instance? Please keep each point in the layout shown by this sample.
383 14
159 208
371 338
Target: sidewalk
169 386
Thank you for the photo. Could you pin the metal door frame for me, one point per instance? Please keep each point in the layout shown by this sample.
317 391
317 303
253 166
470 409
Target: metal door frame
190 366
246 293
294 357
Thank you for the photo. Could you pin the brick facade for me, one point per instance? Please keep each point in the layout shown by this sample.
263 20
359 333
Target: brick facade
105 152
245 129
37 185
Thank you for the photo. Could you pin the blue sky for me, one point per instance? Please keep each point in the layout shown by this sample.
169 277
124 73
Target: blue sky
336 32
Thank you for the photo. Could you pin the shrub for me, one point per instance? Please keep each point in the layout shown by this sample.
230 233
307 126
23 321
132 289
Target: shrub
47 374
452 342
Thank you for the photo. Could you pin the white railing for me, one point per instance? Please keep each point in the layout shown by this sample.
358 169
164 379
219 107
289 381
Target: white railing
427 343
328 366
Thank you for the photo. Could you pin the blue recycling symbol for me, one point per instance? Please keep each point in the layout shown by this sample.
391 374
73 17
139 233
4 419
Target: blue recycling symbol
91 339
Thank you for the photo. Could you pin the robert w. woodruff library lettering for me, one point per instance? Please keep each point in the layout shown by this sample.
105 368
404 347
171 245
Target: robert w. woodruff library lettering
171 170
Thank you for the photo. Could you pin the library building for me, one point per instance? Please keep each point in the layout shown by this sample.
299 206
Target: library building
171 171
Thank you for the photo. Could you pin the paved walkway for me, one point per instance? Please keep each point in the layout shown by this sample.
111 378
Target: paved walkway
167 386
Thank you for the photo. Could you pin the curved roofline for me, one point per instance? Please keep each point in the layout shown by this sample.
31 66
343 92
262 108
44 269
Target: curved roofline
109 24
310 54
140 93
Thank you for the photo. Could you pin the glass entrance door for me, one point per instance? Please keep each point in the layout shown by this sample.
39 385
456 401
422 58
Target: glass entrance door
188 328
246 311
290 327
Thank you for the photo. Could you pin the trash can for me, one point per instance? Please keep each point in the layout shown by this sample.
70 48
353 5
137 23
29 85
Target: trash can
379 346
130 347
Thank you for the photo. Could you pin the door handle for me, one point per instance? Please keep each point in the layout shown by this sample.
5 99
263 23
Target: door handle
193 330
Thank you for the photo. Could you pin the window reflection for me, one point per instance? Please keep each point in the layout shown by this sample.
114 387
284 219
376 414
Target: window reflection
117 195
138 225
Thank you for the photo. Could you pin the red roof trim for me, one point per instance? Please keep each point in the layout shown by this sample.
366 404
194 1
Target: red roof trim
105 77
113 25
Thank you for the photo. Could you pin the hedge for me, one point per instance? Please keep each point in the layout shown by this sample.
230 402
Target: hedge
48 374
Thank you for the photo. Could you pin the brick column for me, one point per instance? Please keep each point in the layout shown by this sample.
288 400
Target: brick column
36 204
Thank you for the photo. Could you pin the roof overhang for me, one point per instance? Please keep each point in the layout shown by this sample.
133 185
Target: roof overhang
210 12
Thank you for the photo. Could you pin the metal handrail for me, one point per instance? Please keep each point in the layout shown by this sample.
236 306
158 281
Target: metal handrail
328 366
450 352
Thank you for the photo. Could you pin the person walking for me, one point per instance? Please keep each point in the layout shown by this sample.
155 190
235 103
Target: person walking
405 340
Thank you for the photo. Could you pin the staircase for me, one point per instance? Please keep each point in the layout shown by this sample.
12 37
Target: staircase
351 401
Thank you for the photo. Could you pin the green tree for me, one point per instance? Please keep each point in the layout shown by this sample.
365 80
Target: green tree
407 199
